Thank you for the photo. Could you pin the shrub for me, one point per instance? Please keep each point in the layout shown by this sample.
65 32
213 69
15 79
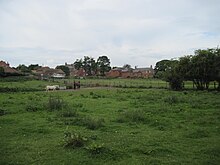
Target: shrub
30 107
74 140
95 148
55 103
92 123
69 113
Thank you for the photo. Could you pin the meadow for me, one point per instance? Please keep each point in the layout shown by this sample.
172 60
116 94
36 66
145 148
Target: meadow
108 126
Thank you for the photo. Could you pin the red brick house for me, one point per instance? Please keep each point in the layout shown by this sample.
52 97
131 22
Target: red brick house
7 68
79 73
131 73
143 72
46 72
74 72
114 73
126 73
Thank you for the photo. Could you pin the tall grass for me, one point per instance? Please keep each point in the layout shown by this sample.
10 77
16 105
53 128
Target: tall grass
55 103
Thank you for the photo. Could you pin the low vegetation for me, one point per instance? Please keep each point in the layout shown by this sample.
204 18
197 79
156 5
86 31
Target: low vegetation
110 126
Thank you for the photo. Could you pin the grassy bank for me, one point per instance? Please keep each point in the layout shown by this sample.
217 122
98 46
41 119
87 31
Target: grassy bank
110 126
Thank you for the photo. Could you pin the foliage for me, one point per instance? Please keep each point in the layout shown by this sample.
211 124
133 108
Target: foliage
78 64
68 113
33 67
89 65
174 78
64 68
95 148
161 67
74 140
32 107
171 74
201 68
92 67
183 132
127 66
23 68
103 63
93 123
55 103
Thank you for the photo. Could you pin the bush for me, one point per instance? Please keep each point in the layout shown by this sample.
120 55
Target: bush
92 123
69 113
55 103
74 140
16 89
95 149
30 107
175 82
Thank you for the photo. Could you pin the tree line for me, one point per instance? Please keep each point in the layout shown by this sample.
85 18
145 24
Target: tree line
91 66
201 68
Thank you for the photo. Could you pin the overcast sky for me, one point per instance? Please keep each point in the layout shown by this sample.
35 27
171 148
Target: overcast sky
137 32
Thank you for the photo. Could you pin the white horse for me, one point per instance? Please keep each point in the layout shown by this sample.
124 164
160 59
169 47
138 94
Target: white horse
52 87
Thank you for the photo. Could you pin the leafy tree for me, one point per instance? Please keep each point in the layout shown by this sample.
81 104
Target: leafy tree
162 65
216 73
162 68
65 69
23 68
201 68
89 65
206 67
33 66
78 64
103 63
173 76
127 66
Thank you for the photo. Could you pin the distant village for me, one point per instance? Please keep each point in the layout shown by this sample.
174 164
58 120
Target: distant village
44 72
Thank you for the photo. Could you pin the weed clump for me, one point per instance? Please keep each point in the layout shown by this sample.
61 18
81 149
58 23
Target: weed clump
95 148
68 113
74 140
92 123
55 103
30 107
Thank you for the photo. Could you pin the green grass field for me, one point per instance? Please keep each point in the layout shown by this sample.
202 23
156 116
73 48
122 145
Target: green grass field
109 126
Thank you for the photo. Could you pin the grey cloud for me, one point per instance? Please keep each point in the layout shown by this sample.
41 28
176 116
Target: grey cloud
139 32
